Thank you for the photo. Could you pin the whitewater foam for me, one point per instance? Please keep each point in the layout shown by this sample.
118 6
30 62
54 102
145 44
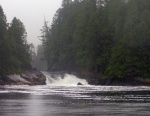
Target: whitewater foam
63 80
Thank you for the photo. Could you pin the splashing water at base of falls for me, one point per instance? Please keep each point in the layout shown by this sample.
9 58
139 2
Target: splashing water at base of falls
63 80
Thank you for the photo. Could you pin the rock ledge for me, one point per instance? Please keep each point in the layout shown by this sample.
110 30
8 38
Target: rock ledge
28 78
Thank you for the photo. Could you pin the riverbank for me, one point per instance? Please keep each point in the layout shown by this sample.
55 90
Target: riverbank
28 78
38 78
94 79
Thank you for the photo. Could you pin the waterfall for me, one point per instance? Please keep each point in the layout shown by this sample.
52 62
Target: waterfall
63 79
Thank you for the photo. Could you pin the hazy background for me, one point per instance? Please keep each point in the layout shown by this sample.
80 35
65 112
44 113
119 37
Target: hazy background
31 13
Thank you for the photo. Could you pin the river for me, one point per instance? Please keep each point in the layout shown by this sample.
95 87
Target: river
74 100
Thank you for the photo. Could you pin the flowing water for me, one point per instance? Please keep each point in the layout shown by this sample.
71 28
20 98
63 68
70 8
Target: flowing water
63 97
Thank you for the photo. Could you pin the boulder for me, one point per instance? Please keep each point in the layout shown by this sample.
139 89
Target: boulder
34 77
28 78
79 83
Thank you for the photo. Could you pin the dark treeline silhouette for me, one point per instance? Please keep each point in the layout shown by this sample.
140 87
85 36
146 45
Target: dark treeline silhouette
14 50
107 37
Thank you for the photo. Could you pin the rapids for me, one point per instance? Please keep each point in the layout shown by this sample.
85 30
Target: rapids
62 97
56 79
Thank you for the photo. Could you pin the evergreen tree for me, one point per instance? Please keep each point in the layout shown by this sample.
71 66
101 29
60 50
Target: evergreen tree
109 37
20 53
14 50
4 42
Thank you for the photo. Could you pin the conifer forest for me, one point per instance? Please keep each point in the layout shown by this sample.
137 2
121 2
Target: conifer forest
107 37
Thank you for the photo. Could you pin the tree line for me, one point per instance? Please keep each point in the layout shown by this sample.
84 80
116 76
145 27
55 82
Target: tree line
107 37
14 50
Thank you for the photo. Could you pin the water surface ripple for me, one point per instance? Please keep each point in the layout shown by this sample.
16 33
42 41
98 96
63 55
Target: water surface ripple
74 100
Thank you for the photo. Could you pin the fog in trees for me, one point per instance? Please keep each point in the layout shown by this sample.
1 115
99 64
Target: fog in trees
106 37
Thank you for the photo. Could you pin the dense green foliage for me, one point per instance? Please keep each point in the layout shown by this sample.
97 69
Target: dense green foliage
14 55
108 37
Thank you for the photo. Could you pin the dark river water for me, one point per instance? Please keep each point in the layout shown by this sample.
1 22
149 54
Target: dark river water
74 101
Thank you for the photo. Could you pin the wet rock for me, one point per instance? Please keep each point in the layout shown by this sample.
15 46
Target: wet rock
79 83
18 79
94 79
28 78
34 77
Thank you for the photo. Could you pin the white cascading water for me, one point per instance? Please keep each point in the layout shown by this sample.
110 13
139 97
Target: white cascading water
66 80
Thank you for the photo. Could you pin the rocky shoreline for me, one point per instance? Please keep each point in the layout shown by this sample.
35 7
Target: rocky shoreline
94 79
37 78
109 81
28 78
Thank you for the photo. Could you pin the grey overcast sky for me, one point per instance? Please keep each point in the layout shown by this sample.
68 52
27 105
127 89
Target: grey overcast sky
31 13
